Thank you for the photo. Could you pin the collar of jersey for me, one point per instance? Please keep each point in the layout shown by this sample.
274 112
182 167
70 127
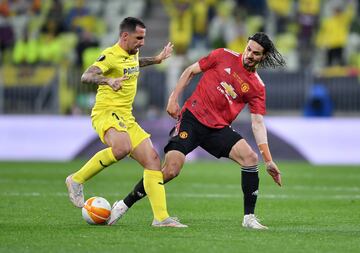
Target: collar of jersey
120 50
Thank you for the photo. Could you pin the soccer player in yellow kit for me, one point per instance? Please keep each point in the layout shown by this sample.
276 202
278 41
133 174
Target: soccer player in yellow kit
116 72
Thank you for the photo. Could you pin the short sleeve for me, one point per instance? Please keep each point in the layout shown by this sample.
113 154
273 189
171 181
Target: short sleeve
104 62
210 60
257 104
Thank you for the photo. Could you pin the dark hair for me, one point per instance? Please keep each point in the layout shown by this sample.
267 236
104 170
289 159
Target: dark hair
129 24
273 58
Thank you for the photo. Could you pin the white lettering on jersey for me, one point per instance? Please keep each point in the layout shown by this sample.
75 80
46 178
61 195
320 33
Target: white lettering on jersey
228 70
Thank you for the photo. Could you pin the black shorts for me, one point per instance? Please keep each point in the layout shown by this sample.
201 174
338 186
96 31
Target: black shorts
190 133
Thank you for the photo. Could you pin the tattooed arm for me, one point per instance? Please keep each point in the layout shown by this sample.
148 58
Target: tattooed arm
164 54
146 61
94 75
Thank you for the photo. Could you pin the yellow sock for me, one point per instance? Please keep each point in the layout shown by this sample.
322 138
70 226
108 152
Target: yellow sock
97 163
154 188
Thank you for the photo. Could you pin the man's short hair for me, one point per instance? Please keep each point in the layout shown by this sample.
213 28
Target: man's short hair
129 24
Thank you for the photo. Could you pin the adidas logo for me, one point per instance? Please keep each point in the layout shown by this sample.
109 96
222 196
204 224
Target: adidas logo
140 194
255 193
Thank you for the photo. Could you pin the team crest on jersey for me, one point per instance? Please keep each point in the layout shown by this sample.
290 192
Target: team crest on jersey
183 134
101 58
229 89
245 87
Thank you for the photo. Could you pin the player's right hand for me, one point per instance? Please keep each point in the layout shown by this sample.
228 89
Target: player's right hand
173 109
116 83
274 172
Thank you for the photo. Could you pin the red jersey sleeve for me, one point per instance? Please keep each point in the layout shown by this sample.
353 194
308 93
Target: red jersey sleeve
210 60
257 104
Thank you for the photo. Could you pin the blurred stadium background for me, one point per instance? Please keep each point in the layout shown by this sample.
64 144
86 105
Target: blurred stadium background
313 126
45 45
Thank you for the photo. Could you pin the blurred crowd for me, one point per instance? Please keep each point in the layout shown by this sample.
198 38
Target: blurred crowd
58 31
309 33
306 32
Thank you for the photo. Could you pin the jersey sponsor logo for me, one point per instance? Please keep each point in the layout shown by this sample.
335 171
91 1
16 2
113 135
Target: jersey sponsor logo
183 134
245 87
132 70
229 89
224 93
101 58
228 70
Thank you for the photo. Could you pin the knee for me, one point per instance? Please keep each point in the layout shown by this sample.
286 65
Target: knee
120 151
251 159
151 160
171 170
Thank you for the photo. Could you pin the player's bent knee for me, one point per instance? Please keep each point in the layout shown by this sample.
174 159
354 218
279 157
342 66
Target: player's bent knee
170 174
251 159
171 170
174 161
151 161
121 151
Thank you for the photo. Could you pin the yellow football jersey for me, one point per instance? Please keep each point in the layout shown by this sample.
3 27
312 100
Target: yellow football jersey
116 62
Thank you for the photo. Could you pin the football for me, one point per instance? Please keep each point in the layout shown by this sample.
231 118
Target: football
96 211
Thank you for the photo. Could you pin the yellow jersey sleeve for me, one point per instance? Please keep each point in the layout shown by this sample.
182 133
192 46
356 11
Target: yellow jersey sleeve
105 61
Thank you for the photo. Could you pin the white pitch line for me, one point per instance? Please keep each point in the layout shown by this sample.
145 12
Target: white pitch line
197 195
205 186
290 187
268 196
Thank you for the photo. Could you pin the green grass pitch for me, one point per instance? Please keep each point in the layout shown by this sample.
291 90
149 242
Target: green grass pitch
317 210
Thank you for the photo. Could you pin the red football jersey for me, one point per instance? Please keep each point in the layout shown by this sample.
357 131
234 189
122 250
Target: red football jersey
224 89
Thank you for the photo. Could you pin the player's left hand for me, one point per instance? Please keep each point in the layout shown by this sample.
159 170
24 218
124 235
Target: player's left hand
274 172
166 52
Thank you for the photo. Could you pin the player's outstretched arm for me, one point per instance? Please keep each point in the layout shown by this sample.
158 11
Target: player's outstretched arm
163 55
260 133
173 108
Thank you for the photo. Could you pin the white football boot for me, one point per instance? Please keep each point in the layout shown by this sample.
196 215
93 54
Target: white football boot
75 190
250 221
168 222
118 209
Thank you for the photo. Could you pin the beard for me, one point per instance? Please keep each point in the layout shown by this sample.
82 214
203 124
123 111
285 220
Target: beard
133 51
249 64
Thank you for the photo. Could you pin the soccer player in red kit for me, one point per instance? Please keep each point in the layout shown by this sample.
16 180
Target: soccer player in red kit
228 83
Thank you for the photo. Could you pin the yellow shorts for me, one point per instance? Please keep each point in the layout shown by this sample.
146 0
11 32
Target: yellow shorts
105 119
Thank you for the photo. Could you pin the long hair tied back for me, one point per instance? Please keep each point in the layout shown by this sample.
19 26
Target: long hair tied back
273 58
